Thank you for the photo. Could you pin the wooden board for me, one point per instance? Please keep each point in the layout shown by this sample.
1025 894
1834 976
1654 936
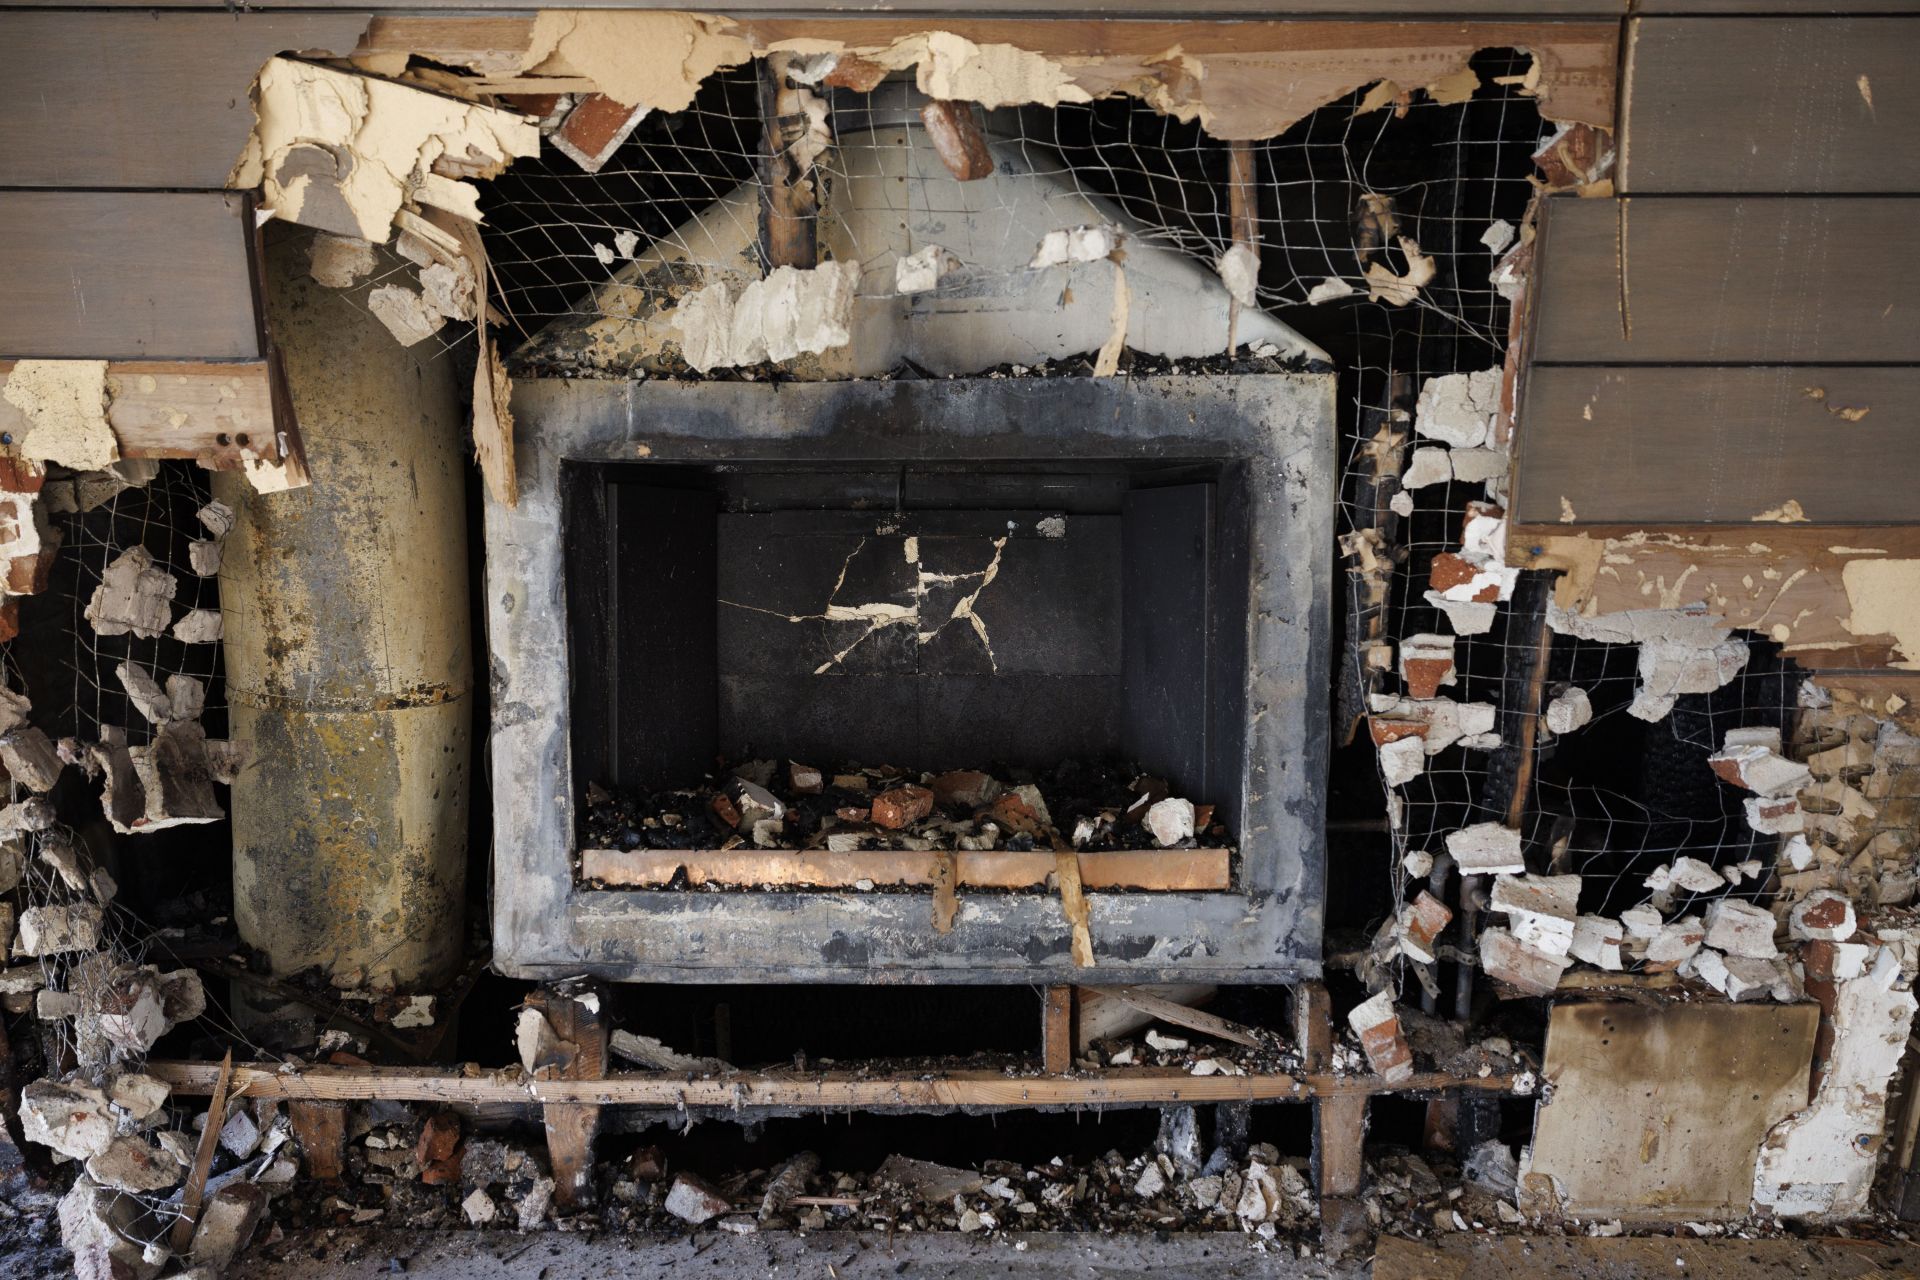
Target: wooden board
126 275
1658 1112
134 100
1788 582
1174 869
1752 279
865 1090
1719 105
161 409
1680 446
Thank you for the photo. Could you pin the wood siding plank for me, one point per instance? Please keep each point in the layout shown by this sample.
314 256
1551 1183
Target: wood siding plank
141 275
1745 280
138 99
1725 105
1683 446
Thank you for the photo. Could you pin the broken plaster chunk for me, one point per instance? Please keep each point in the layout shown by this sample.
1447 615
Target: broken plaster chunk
1741 929
1480 466
1428 466
199 626
203 557
1426 664
1466 617
1402 760
72 1118
1597 941
1239 270
923 269
448 291
134 1165
1170 821
345 152
1677 941
340 262
1540 910
1669 668
146 693
14 708
1569 711
1458 409
57 930
693 1199
1377 1023
1498 235
789 313
138 1095
1329 290
1775 816
1693 875
30 758
1075 244
1384 284
1760 770
1526 969
134 594
65 405
406 314
1823 916
1486 848
1641 922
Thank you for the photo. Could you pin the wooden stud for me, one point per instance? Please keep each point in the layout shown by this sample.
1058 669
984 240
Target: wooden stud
574 1012
1056 1030
321 1130
1442 1123
1180 1015
1313 1025
789 192
196 1187
1244 218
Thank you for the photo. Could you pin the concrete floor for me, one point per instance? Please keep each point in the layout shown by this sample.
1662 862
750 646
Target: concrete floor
844 1255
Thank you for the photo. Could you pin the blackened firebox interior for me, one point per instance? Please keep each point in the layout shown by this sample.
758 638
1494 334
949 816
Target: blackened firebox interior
1009 619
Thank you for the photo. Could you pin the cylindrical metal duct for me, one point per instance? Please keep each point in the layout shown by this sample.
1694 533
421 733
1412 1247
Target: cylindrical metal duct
348 659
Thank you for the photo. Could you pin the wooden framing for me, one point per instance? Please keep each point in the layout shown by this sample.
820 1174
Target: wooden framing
1188 870
797 1091
211 412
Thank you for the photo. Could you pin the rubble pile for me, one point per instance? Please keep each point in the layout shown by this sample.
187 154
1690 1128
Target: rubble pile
770 804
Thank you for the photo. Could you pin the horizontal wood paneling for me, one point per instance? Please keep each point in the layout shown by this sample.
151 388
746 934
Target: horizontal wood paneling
146 275
1730 280
1772 105
137 100
1632 444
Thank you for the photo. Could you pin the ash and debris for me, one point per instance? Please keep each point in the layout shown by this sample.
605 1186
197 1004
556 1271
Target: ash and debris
768 804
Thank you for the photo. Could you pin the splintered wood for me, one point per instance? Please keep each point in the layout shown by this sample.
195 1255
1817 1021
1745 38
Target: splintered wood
1073 901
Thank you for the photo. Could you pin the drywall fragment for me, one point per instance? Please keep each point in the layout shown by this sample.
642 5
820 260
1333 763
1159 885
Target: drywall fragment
1740 929
1486 848
923 269
791 312
1075 244
1239 270
199 626
1426 664
134 594
1526 969
1822 916
1569 711
1377 1024
1428 466
1386 285
1328 290
1458 408
1540 910
1597 940
340 262
1822 1160
1759 769
65 405
30 758
405 313
345 152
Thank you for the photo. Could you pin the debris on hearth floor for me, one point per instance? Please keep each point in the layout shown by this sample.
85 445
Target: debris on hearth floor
793 805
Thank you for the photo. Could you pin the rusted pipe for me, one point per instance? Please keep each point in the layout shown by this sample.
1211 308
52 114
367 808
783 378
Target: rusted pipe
348 657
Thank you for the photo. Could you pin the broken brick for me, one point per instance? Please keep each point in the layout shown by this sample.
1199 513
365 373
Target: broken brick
897 806
1486 848
1421 923
1426 663
1740 929
594 130
958 139
438 1150
1822 915
1526 969
693 1199
1378 1025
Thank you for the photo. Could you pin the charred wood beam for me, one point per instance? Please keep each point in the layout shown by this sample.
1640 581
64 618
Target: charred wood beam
789 185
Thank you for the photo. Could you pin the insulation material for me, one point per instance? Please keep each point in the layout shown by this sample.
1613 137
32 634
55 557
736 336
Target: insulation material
790 313
65 403
345 152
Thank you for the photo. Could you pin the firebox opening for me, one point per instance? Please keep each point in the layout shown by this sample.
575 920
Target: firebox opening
1006 617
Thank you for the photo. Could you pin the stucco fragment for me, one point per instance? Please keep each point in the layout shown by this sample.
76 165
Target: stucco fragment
65 401
1884 599
791 312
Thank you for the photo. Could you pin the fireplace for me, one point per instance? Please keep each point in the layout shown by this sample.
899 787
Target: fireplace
976 573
